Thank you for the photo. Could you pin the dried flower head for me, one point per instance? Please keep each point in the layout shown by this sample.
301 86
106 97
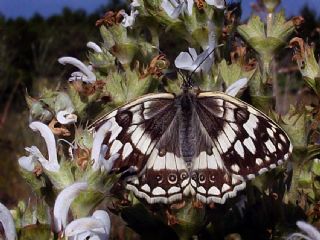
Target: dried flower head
200 4
297 21
58 129
156 66
110 18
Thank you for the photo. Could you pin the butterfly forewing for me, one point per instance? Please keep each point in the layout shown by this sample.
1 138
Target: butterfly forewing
204 144
135 131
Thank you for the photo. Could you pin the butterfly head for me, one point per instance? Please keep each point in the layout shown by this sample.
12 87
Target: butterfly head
187 83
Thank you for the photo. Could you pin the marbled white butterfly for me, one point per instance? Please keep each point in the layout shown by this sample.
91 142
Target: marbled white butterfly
204 144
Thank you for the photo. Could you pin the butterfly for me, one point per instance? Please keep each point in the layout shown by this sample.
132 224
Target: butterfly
200 144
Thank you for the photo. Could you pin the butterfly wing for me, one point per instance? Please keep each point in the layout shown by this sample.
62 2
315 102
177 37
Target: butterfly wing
136 128
144 134
243 142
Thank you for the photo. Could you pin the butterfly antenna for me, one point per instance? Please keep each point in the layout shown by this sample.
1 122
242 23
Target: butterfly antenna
203 60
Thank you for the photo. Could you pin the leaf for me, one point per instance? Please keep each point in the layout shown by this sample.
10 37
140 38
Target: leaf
280 29
233 72
253 29
107 37
295 125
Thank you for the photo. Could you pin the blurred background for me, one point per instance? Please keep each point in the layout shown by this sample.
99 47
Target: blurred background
34 34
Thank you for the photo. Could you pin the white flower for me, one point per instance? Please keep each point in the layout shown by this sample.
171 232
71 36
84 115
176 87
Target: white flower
176 7
28 162
128 20
97 226
135 3
237 87
191 61
311 232
66 117
217 3
63 203
86 75
35 155
7 223
95 47
64 109
98 149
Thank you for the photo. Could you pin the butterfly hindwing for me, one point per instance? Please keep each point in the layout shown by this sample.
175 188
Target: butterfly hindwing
165 179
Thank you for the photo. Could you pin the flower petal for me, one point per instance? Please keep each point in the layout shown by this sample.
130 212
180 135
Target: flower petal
103 216
78 76
217 3
237 87
128 20
184 61
203 62
95 47
108 164
46 133
167 7
98 225
97 144
135 3
177 11
27 163
212 36
309 229
7 223
190 6
174 8
91 78
63 202
66 117
193 53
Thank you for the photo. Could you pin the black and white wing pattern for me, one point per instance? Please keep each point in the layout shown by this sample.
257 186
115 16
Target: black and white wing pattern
145 134
241 142
204 145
